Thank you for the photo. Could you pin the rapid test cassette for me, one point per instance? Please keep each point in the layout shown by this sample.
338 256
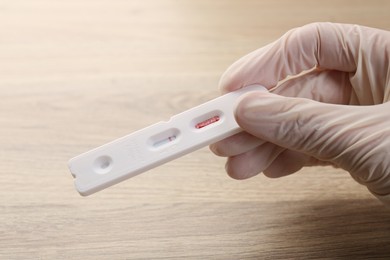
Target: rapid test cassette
157 144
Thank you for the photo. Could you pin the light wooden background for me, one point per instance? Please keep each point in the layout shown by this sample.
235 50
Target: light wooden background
76 74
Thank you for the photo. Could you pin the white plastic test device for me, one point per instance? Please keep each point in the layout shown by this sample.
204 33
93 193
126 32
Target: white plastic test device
157 144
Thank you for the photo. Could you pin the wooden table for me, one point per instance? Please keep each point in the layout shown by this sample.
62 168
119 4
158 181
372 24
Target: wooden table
77 74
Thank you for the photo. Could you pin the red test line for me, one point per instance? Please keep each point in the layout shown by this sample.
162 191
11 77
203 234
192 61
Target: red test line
207 122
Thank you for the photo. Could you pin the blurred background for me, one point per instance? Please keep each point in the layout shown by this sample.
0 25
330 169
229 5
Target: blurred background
77 74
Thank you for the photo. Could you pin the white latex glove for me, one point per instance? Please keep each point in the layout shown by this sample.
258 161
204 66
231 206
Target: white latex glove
333 113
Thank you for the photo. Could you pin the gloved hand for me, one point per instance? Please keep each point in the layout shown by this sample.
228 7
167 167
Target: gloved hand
332 82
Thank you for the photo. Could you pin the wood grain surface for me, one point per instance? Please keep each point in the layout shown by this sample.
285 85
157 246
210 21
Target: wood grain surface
76 74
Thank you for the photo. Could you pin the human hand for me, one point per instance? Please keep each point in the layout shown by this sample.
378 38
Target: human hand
331 109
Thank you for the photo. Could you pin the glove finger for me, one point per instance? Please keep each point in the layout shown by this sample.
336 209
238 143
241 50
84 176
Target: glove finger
286 163
289 162
300 49
349 48
253 162
236 144
304 125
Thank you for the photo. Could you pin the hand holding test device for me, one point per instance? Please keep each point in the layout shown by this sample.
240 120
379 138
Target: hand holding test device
157 144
